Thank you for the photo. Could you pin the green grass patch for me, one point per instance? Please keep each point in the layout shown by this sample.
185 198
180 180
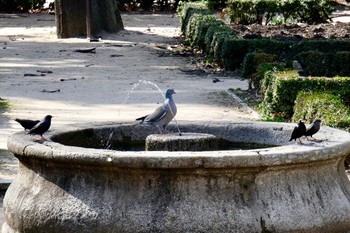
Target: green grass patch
4 106
248 96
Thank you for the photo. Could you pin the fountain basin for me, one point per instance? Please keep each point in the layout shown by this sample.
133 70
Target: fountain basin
64 187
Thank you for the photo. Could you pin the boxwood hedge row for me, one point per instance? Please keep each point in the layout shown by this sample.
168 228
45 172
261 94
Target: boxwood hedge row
326 106
279 88
282 88
229 49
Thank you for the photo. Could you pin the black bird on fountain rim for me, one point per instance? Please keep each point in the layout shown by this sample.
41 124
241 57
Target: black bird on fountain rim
41 127
298 131
313 128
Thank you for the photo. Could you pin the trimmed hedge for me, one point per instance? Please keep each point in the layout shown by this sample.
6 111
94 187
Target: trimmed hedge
186 9
315 63
327 107
197 29
250 65
282 89
268 67
234 50
202 30
213 28
255 11
219 37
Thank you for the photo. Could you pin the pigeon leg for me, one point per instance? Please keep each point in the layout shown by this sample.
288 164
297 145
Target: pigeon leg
300 142
160 130
313 139
42 138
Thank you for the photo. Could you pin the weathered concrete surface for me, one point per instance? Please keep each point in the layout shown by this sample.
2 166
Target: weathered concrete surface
182 142
289 188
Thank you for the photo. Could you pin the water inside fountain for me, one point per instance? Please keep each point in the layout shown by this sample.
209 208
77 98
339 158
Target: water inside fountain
126 137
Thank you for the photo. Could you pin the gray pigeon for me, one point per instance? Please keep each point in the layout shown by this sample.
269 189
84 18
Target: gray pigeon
313 128
163 114
298 131
41 127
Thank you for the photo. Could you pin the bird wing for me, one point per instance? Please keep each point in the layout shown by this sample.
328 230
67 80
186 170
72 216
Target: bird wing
294 133
37 127
27 124
41 127
312 130
141 118
157 115
302 127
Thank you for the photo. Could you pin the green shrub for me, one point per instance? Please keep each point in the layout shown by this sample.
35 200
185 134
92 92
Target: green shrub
253 11
241 11
187 9
234 50
325 46
315 63
263 70
191 27
220 36
340 63
289 9
270 106
283 87
268 9
197 29
327 107
315 11
218 25
250 65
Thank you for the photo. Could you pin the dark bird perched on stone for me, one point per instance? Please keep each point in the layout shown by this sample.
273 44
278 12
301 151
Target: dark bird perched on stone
163 114
27 124
298 131
313 128
42 127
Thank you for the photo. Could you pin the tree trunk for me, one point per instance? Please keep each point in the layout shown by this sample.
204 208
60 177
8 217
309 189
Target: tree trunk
71 17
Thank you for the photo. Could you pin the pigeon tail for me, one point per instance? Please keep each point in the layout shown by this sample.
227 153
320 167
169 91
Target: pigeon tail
141 119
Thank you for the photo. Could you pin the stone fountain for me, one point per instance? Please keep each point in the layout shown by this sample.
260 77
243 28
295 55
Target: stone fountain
258 183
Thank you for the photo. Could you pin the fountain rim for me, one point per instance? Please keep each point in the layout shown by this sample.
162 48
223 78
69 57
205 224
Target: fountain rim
23 146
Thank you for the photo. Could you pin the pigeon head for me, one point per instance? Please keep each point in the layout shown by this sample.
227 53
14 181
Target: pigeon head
317 123
48 117
169 93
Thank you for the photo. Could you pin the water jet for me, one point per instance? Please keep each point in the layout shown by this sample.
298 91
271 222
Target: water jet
75 184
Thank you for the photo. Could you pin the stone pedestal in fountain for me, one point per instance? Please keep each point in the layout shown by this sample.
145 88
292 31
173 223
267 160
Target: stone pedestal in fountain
182 142
288 188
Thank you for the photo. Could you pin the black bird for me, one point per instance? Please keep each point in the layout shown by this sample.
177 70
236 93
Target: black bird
298 131
313 128
42 127
27 124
